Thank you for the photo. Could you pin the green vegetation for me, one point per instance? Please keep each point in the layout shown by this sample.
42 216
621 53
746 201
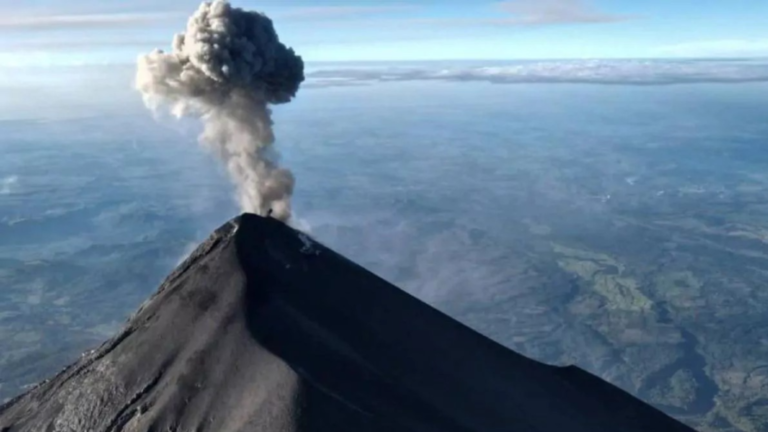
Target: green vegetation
603 274
678 392
666 302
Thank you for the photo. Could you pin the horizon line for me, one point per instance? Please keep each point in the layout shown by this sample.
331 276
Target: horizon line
456 60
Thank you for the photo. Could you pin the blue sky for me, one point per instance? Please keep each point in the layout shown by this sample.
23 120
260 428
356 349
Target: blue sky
53 32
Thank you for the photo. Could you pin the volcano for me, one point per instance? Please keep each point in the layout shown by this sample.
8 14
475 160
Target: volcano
263 328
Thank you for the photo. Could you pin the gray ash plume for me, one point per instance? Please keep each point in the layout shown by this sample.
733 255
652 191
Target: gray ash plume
227 68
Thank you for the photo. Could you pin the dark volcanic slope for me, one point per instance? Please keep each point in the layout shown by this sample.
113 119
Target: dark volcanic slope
263 329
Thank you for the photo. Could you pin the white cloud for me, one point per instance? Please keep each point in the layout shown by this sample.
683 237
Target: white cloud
58 22
717 48
336 12
8 184
532 13
627 72
543 12
64 45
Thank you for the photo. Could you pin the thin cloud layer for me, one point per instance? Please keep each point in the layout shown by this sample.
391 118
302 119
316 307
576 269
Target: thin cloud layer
718 48
62 45
627 72
339 12
8 184
530 13
89 21
547 12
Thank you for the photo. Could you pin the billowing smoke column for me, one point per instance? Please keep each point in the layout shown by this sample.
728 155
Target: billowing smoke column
227 68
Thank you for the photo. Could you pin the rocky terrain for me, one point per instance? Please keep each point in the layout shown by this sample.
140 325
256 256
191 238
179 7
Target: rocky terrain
264 329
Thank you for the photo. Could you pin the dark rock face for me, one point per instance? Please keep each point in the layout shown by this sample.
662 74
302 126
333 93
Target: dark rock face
263 329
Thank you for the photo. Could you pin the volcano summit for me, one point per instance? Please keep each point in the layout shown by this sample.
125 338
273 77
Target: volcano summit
264 329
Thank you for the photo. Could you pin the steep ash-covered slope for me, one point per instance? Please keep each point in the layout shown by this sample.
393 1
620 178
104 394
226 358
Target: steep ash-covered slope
264 329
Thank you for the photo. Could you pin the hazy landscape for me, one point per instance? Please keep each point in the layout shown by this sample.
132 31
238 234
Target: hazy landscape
615 223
